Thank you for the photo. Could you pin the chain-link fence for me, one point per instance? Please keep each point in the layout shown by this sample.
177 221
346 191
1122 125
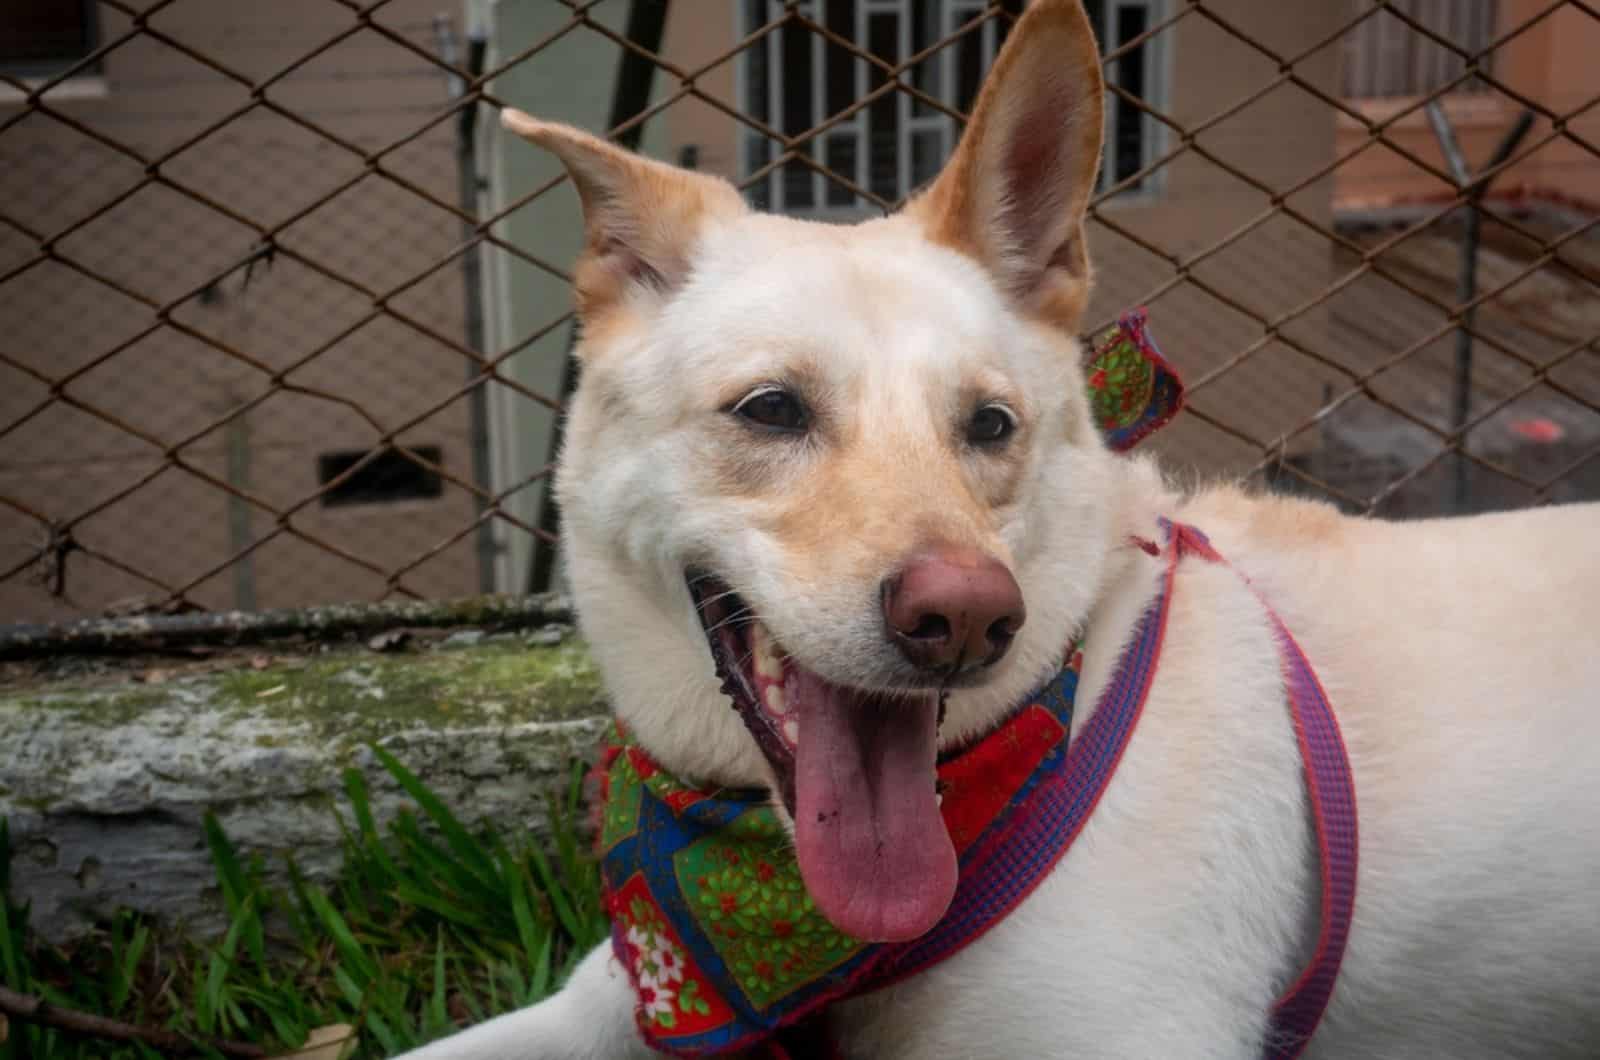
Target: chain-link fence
283 318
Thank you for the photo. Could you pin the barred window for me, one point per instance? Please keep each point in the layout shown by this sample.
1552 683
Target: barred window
1132 136
1385 58
39 38
793 79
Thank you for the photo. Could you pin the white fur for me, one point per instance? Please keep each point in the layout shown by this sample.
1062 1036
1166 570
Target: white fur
638 502
1459 655
1461 662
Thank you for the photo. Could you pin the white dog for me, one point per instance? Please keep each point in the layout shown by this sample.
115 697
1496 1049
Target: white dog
862 464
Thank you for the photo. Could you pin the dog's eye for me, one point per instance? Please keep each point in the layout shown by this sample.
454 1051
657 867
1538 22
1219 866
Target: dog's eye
773 408
991 425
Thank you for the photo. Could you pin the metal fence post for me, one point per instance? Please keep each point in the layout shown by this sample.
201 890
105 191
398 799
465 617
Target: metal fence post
1467 285
472 277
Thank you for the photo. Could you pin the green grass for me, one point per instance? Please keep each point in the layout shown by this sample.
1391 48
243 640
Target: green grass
430 926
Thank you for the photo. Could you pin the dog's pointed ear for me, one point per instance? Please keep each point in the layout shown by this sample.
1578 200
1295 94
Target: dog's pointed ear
1014 194
641 217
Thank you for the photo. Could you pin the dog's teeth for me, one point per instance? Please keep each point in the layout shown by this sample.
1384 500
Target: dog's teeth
938 800
767 664
791 731
776 701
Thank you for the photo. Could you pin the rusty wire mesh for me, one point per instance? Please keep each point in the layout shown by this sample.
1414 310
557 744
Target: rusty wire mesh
242 361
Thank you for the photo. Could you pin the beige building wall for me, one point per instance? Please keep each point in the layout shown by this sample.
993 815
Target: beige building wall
696 37
1552 63
127 348
1248 263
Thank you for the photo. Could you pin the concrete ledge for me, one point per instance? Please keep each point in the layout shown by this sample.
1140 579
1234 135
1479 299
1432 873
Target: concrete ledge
106 775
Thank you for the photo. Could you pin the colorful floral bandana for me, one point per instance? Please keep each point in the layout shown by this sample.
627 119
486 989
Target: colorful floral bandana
714 925
1132 388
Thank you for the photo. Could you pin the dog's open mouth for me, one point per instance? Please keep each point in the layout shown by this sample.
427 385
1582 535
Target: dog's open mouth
855 770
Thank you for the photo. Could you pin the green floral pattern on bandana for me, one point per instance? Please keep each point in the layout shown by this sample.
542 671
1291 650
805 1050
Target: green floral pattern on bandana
1132 389
746 888
741 883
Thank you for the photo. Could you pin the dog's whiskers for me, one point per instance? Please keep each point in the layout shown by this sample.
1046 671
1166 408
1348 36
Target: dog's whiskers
701 605
704 606
743 617
699 578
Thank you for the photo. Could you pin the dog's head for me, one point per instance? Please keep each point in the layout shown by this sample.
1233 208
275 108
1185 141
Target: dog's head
857 463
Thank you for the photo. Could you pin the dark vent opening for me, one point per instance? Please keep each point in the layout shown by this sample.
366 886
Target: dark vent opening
43 37
390 476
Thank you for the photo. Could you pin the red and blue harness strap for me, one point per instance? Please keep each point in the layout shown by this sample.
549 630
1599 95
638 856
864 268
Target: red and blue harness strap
1297 1013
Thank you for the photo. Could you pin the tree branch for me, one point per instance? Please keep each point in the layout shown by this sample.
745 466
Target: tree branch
25 1007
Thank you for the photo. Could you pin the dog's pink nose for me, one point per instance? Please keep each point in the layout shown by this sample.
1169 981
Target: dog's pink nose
953 606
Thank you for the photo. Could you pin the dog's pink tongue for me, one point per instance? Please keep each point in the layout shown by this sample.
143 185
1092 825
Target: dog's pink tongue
873 848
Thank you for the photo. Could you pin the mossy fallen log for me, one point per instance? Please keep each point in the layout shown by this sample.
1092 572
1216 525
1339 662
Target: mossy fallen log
107 773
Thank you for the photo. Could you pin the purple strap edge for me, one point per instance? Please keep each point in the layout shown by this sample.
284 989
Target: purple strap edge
1331 786
1333 808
